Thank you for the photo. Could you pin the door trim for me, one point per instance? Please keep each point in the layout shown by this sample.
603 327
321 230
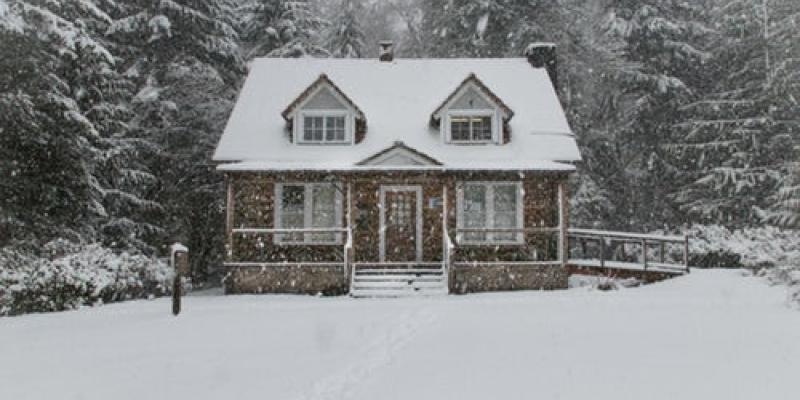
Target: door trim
382 227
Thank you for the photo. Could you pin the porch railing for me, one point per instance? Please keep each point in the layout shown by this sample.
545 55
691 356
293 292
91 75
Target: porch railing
524 243
346 251
616 242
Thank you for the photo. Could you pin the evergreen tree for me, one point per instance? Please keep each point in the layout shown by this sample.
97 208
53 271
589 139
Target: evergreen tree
280 28
658 64
738 139
345 37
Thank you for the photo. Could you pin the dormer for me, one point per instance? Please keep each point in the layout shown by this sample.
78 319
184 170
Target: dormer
472 114
323 115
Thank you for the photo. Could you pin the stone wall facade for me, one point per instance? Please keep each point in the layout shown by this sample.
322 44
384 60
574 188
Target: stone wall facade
300 279
251 198
487 278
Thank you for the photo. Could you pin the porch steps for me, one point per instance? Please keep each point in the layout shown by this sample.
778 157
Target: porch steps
369 281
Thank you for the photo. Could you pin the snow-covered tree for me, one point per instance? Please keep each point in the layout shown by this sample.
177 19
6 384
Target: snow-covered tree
345 36
65 126
738 139
281 28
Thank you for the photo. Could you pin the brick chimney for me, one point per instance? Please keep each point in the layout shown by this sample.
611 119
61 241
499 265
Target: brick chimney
543 55
387 50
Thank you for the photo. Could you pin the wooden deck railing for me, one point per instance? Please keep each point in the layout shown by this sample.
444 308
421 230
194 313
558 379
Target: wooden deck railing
644 242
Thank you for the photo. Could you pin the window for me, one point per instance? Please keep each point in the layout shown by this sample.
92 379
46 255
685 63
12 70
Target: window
483 205
324 128
471 128
306 206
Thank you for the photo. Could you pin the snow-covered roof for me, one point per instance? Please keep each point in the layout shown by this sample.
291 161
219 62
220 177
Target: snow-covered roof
397 98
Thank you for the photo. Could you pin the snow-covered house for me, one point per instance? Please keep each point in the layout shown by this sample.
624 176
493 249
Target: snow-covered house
393 176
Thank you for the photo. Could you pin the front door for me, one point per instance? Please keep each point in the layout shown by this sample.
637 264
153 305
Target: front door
401 224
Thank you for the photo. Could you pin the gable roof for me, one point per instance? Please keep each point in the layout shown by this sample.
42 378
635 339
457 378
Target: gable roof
304 95
472 79
399 148
397 97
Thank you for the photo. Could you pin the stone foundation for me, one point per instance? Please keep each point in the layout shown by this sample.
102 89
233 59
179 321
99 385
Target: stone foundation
328 280
471 279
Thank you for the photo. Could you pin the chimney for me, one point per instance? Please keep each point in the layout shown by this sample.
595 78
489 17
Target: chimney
543 55
387 50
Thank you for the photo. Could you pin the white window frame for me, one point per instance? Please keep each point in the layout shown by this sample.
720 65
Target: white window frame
519 237
492 114
308 209
348 127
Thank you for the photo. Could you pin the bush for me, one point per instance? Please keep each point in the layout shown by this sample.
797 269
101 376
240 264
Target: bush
78 275
714 246
716 259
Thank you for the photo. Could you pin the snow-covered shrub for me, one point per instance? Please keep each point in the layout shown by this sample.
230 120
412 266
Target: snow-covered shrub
716 246
77 275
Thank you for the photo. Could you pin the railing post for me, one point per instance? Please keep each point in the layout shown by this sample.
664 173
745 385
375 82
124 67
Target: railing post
348 244
686 252
602 251
563 240
229 209
644 253
661 252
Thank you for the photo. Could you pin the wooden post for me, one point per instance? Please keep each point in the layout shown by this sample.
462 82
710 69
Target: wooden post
562 224
602 251
661 252
644 253
583 247
179 258
229 207
686 252
349 239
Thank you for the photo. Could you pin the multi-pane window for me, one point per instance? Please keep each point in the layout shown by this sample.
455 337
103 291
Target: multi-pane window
470 128
307 206
493 205
324 129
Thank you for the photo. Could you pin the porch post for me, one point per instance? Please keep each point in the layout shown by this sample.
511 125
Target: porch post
349 239
229 207
562 225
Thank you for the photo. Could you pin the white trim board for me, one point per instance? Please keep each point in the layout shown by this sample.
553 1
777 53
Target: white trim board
382 227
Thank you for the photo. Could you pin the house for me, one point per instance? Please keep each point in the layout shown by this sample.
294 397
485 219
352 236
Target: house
394 176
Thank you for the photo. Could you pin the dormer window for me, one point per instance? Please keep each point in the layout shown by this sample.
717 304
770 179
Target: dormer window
472 114
323 114
470 127
324 127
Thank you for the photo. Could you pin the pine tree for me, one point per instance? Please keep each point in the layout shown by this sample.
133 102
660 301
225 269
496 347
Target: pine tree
659 56
280 28
738 139
345 37
66 44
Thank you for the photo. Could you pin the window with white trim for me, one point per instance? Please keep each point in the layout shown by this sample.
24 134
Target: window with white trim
490 205
466 128
322 127
308 205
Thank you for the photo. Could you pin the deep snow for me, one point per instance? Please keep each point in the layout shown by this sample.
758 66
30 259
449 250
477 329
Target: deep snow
709 335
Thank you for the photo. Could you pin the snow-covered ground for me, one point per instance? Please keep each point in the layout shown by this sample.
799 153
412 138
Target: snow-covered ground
710 335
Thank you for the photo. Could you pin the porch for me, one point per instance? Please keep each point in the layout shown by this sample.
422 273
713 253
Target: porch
402 233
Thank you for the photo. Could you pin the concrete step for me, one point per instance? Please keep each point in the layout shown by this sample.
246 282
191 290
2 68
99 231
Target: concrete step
399 278
398 271
397 285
